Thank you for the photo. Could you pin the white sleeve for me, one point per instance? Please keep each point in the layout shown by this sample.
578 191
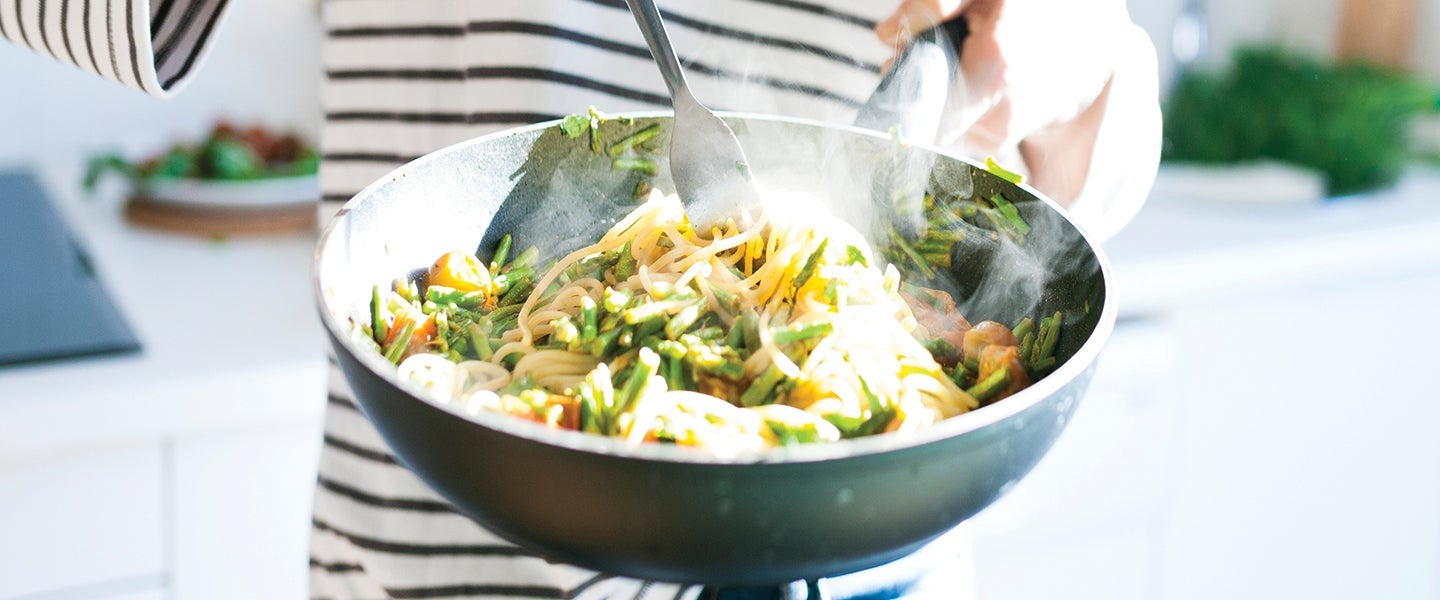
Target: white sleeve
153 46
1126 154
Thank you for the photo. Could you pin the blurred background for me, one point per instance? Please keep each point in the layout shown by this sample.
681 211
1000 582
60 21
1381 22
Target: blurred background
1261 425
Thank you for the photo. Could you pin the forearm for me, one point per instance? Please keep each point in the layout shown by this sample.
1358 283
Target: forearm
154 47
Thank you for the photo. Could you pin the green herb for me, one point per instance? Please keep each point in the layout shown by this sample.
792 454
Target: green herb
573 126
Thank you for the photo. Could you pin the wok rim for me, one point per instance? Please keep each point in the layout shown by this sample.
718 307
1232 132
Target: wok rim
952 427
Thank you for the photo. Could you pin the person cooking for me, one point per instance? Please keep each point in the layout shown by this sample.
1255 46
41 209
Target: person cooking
1066 91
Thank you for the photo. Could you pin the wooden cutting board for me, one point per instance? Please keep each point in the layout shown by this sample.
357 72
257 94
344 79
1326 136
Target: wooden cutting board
208 221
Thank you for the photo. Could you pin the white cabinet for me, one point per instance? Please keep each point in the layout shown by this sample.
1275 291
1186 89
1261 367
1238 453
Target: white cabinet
83 524
242 514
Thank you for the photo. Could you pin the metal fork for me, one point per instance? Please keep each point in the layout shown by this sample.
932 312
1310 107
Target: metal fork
711 174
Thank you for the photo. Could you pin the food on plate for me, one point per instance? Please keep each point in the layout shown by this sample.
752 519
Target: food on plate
781 328
227 153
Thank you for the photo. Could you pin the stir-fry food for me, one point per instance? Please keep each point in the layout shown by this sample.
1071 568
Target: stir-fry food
773 330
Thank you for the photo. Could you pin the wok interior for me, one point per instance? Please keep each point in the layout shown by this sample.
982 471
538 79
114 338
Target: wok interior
448 199
888 495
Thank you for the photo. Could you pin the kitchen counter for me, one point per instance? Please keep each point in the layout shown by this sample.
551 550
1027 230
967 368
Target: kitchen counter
1181 250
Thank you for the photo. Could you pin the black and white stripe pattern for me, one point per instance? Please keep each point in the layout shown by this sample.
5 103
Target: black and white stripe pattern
404 81
147 47
406 78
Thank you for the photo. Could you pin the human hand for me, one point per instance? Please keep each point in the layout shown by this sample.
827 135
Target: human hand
1033 75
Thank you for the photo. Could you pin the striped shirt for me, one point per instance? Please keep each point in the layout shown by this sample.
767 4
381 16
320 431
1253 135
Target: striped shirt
404 78
151 47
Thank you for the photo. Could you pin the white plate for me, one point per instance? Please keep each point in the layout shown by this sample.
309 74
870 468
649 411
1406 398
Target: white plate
257 193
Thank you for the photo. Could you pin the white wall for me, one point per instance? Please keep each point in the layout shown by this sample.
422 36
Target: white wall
1309 25
265 67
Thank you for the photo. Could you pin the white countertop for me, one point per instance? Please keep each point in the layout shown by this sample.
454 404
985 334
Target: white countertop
228 327
1183 249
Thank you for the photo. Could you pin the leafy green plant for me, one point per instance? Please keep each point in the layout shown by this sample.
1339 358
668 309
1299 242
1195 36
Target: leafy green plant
1348 121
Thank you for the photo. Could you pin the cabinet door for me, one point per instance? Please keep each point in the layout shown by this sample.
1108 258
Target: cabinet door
242 513
82 522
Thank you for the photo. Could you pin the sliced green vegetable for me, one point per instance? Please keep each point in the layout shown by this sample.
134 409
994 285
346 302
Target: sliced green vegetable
797 333
647 166
759 391
811 263
1001 172
633 140
991 386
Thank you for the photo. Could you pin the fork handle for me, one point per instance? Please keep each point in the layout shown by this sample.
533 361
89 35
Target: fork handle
647 15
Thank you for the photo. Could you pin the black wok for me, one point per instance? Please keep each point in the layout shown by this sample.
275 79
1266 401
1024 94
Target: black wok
669 513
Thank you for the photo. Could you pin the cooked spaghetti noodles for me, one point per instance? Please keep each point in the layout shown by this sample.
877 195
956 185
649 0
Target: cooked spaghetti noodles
772 330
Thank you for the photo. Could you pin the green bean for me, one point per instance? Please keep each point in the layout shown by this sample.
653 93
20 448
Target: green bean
632 140
502 252
682 321
589 321
1022 328
995 169
519 290
650 328
760 389
1027 344
604 343
645 312
441 295
912 254
937 259
1042 365
566 332
871 397
627 337
526 259
1047 344
811 263
377 316
710 333
647 363
1011 214
589 407
504 311
670 349
647 166
442 328
802 332
674 374
991 386
736 337
726 298
614 300
750 328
